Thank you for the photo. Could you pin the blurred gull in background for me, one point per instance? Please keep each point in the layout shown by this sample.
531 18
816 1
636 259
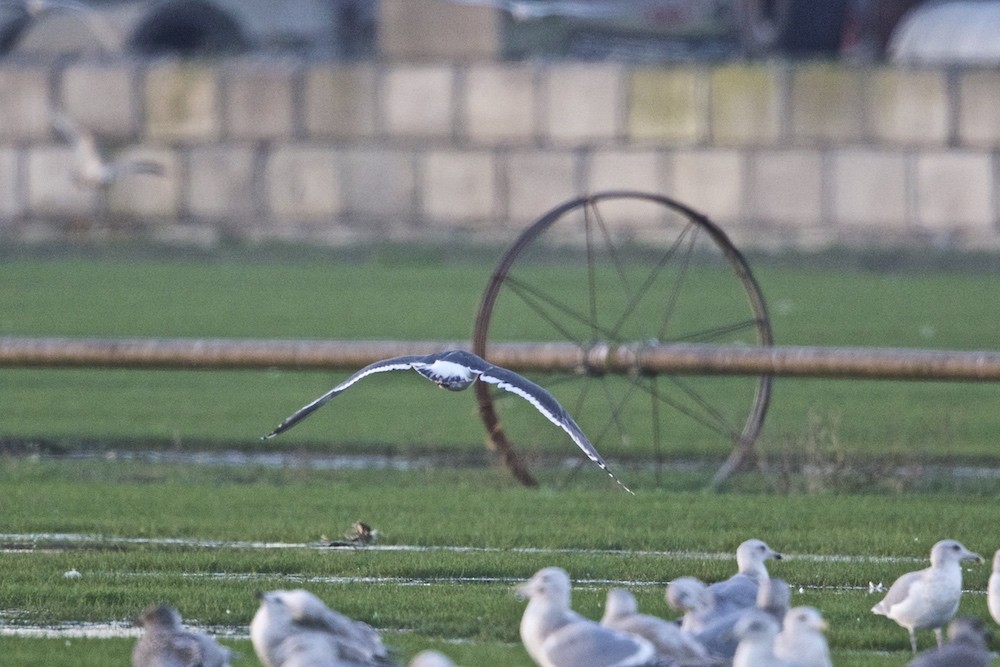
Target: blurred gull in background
556 636
966 647
90 169
296 628
165 643
801 639
621 612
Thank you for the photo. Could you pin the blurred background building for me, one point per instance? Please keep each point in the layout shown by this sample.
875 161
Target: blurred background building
790 122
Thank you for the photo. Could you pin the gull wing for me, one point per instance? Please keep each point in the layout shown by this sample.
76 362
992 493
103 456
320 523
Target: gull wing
898 592
394 364
587 644
547 404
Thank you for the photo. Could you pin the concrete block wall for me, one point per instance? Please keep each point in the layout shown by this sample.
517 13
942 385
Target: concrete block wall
778 153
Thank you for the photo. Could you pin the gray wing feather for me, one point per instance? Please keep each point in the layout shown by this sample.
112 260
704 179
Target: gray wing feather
546 403
393 364
585 644
898 592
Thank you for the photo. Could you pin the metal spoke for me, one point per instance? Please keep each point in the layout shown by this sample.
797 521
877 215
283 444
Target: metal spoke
624 298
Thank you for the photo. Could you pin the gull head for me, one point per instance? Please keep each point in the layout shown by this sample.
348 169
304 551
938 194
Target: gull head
688 594
950 551
750 557
805 618
550 584
159 616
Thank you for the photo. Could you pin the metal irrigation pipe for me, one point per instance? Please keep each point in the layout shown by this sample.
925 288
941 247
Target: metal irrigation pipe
642 358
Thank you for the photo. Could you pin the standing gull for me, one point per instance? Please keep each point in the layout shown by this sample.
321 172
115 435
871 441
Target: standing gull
756 632
689 595
928 599
739 591
297 628
966 647
621 612
556 636
774 597
430 659
457 370
993 589
165 643
718 636
801 639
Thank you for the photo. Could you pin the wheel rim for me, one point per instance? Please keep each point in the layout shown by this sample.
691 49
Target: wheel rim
652 269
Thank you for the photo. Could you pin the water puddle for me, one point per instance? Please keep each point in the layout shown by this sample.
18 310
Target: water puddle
61 542
107 630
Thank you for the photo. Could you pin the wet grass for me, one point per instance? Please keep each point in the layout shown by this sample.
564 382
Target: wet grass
599 534
855 434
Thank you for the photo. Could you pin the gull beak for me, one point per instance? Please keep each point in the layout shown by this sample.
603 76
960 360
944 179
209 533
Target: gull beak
524 590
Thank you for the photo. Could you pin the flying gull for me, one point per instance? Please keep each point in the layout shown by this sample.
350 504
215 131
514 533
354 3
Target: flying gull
165 643
928 599
90 169
456 370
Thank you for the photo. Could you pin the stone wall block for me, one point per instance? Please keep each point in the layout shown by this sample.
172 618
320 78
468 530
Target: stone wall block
380 183
746 104
639 170
869 187
583 103
499 104
909 106
459 186
787 187
101 97
259 100
221 182
24 103
10 195
182 102
538 181
955 190
340 101
710 180
303 182
827 103
668 104
419 101
979 101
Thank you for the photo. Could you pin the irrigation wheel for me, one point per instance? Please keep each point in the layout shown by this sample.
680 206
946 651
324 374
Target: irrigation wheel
624 268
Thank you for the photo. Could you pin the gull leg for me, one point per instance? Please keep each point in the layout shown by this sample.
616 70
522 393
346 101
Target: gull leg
913 641
940 639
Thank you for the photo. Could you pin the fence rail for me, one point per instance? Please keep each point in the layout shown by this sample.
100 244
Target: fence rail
552 357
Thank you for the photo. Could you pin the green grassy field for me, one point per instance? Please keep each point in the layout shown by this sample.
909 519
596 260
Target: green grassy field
455 539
